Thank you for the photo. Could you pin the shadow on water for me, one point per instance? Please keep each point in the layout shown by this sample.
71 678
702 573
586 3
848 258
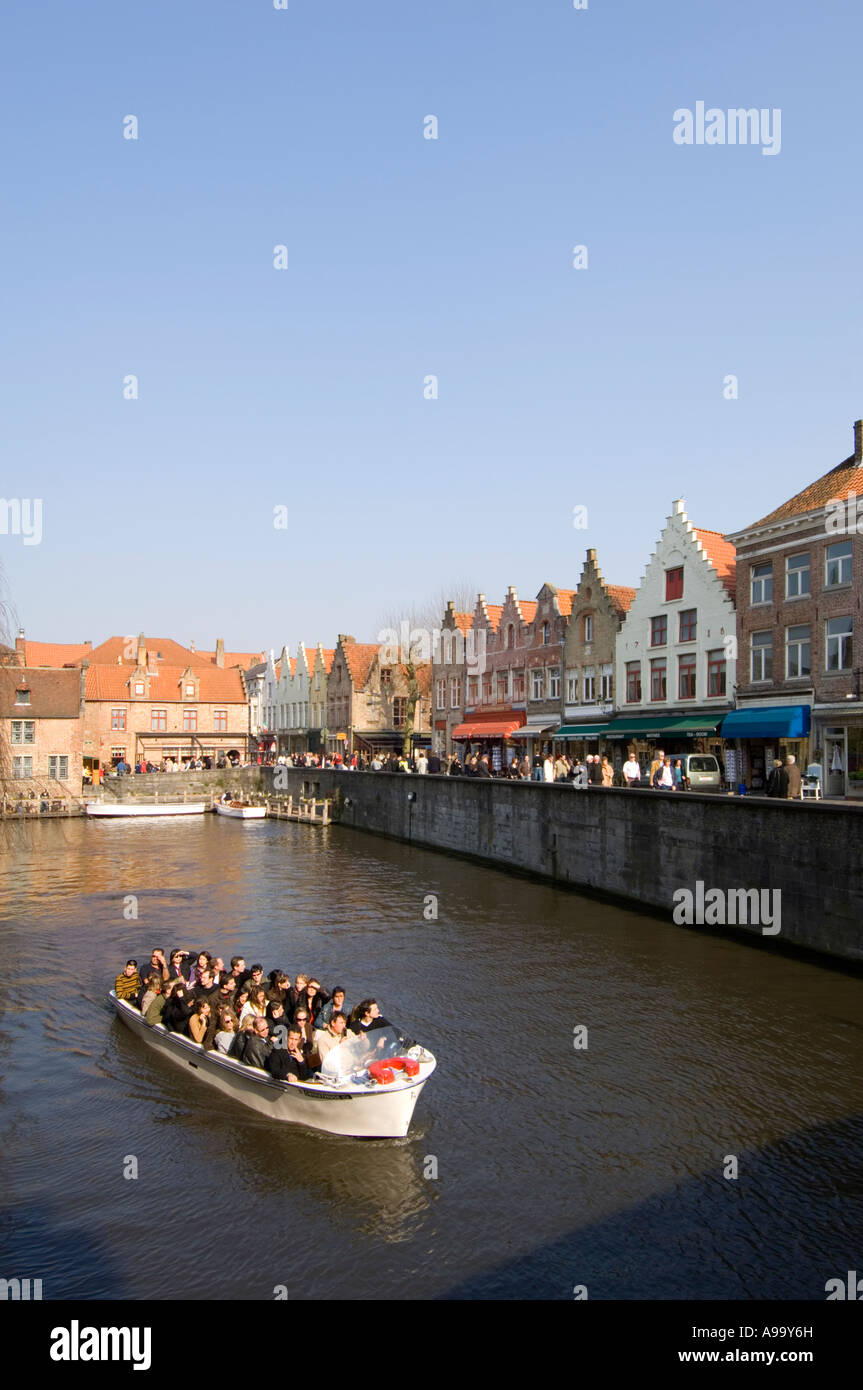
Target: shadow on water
711 1237
36 1243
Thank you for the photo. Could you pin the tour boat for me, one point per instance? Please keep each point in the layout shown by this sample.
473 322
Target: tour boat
239 810
145 808
368 1086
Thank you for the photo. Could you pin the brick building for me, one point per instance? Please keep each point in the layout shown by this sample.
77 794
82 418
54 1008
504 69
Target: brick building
41 738
367 700
799 596
588 693
453 658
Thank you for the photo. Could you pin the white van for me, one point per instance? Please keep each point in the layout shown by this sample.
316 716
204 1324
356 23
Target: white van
703 772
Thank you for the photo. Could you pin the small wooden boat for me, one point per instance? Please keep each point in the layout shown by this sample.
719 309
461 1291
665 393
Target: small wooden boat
356 1093
145 808
239 810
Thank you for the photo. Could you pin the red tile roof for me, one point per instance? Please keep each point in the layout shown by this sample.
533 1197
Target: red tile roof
845 478
215 685
55 654
494 611
722 556
565 599
528 609
621 596
359 657
54 694
328 653
464 621
126 649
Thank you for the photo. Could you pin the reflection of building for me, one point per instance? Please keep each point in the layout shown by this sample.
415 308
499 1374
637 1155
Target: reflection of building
42 728
675 652
588 694
153 699
799 592
368 700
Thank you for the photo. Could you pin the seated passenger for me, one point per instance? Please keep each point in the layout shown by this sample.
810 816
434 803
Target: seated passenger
241 998
203 961
238 970
199 1021
258 1046
365 1016
304 1026
179 1008
280 988
128 985
154 1013
219 971
226 993
276 1015
294 994
312 998
179 965
206 988
158 965
332 1006
327 1038
289 1063
226 1037
256 1003
154 987
256 977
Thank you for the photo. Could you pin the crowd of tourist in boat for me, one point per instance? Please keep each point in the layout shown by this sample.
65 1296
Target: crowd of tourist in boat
284 1027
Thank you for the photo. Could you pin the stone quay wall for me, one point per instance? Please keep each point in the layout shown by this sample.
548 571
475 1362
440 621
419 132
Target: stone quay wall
636 846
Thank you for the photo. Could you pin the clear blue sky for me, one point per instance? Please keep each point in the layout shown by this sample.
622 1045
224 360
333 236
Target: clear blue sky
258 388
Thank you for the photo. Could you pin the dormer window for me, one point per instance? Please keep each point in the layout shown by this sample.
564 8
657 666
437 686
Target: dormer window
22 697
189 690
386 676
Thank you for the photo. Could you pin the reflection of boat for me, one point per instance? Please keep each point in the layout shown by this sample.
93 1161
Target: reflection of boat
145 808
239 810
345 1101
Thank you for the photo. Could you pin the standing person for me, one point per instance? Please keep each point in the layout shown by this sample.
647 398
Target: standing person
594 772
433 763
547 769
663 777
632 771
658 762
777 782
455 767
482 768
561 768
677 770
795 781
606 772
421 762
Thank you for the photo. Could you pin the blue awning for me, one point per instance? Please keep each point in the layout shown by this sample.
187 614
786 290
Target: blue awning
768 721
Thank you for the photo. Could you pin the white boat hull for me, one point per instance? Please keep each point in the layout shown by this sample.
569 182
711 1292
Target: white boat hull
145 808
224 808
372 1112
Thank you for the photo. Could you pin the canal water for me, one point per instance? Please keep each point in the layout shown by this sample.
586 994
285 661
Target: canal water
556 1167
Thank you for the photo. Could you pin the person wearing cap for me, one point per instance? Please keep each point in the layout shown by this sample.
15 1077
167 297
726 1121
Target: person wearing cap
128 985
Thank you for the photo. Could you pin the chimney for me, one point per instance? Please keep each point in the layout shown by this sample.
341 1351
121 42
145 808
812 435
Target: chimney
858 439
343 638
678 507
192 645
220 652
20 649
142 652
591 555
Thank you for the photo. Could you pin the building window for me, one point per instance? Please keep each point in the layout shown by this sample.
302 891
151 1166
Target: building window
633 682
23 731
158 721
589 686
189 691
839 644
716 669
798 650
386 676
838 570
536 684
659 630
658 685
190 721
797 575
572 687
518 685
22 697
510 635
400 707
588 627
440 694
22 766
688 625
58 766
502 687
546 634
139 687
472 689
674 583
554 682
686 677
607 683
455 692
762 583
486 690
118 719
762 656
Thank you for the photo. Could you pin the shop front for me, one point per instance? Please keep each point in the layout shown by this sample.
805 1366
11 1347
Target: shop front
535 737
491 733
757 735
837 745
675 734
577 740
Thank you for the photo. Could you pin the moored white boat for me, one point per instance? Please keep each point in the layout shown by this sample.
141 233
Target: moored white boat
239 810
346 1101
145 808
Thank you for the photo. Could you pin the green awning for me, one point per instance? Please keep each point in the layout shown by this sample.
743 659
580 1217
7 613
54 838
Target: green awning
580 730
666 725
